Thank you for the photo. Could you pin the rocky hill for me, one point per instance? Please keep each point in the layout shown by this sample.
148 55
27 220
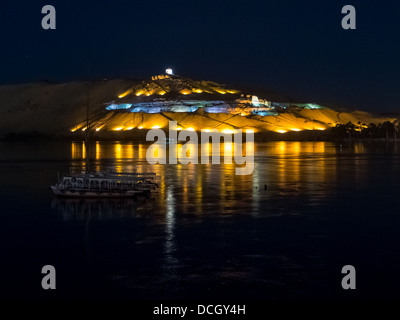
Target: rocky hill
60 109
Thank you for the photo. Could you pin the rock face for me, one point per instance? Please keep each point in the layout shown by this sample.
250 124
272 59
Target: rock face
52 108
122 105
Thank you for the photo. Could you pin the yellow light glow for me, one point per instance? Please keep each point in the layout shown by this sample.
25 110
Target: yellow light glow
228 147
295 129
73 130
249 130
118 151
206 149
138 94
125 93
232 91
161 93
281 147
83 150
84 129
179 128
190 129
141 127
98 129
118 128
198 90
155 127
129 128
249 149
185 91
281 131
207 130
147 94
228 131
323 129
98 150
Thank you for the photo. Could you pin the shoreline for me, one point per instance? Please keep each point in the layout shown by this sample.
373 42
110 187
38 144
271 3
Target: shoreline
137 135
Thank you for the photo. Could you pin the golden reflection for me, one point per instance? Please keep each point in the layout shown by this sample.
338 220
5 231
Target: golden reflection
141 151
302 165
228 152
199 190
83 150
249 149
98 150
185 191
319 147
359 148
205 149
129 151
74 150
187 152
156 153
118 151
281 147
287 168
295 147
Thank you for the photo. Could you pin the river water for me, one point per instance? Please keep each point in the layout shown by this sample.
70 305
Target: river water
283 232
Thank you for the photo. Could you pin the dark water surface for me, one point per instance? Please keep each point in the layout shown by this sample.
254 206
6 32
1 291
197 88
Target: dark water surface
207 233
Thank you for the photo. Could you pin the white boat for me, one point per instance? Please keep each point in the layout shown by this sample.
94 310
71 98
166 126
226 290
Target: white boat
108 185
103 185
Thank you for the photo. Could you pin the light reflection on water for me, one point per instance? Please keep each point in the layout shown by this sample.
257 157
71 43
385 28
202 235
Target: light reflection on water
281 169
207 227
100 209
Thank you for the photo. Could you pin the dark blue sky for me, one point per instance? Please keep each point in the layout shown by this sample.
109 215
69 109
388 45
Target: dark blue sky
293 47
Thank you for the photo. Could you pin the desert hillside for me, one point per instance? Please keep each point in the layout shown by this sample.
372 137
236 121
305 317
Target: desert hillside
60 108
52 108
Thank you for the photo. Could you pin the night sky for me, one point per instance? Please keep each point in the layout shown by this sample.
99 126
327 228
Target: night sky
297 48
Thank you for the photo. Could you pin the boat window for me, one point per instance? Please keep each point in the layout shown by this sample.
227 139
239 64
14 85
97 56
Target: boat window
103 184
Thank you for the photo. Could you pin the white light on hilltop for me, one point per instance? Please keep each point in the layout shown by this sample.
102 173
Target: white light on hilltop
169 71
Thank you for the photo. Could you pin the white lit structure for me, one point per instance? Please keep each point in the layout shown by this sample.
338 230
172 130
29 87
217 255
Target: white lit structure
169 71
255 102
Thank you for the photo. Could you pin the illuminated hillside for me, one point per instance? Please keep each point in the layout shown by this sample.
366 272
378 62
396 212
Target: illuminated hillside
197 105
124 105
